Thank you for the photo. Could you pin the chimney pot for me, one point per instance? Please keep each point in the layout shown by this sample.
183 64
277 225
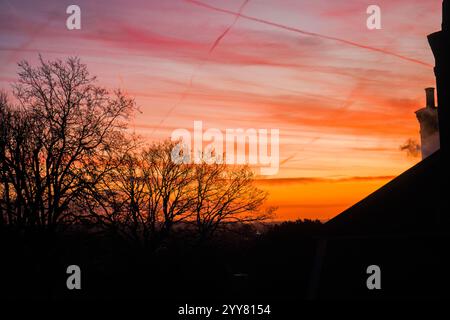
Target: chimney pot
430 98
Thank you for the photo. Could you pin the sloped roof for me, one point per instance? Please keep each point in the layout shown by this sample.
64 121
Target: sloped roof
407 204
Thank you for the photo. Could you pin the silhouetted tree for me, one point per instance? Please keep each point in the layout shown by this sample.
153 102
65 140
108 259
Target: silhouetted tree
225 195
66 157
146 197
62 137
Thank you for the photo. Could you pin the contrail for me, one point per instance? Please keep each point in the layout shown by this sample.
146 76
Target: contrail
313 34
229 28
185 92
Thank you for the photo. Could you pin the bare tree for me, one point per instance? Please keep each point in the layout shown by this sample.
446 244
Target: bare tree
226 195
66 156
5 121
149 195
170 186
16 149
145 197
64 135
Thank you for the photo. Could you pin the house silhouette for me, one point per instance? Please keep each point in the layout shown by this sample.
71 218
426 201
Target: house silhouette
402 227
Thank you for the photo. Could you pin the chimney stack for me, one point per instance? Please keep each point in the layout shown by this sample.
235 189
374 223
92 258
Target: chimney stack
429 125
430 98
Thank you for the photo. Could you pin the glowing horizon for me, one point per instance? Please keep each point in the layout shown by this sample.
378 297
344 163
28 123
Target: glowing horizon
342 96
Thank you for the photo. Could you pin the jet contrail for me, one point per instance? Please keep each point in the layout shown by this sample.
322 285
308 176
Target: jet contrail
313 34
229 28
191 80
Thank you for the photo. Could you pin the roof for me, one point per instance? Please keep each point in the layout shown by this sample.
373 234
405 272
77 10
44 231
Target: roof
407 204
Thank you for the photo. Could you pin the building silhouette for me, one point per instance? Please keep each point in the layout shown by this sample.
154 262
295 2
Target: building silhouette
403 227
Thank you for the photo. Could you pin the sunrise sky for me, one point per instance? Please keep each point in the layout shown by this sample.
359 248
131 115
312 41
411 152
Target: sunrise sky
342 96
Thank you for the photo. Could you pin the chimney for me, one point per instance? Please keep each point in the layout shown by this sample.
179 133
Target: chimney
430 98
429 125
439 45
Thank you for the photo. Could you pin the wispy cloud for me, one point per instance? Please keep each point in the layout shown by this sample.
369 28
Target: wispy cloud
313 34
343 97
290 181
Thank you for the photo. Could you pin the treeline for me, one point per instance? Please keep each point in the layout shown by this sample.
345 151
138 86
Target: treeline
67 158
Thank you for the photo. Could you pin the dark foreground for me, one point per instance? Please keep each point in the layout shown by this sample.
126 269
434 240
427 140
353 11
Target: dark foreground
278 264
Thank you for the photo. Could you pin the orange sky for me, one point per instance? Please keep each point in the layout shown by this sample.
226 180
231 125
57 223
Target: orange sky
318 198
342 96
